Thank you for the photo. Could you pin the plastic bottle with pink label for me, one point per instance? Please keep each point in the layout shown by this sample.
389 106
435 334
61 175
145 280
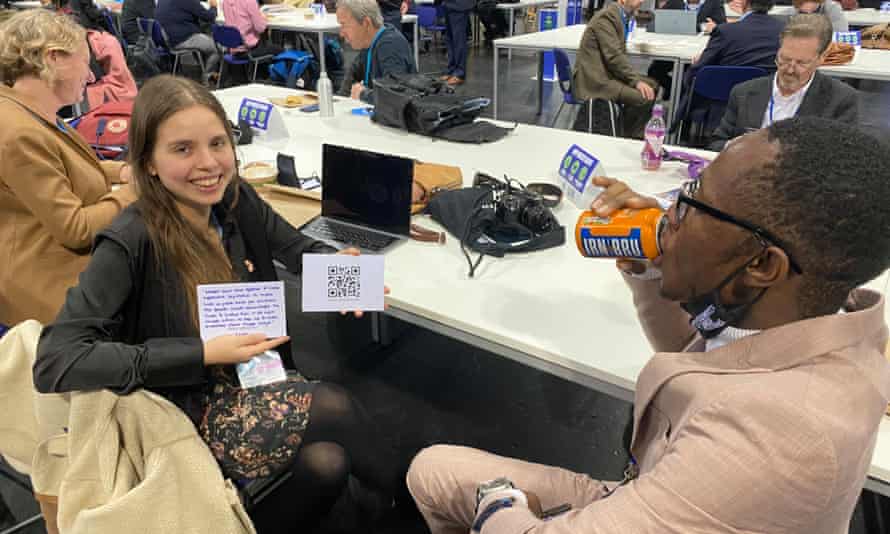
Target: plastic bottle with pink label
654 140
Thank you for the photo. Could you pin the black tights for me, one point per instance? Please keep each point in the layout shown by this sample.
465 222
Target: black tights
339 440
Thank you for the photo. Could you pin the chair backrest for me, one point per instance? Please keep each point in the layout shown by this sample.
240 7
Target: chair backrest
716 82
110 24
227 36
426 16
564 73
144 25
159 37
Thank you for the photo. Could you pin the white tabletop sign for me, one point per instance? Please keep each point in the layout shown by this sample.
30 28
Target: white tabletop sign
336 282
264 119
244 308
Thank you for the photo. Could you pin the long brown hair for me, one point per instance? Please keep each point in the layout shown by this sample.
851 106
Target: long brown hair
192 253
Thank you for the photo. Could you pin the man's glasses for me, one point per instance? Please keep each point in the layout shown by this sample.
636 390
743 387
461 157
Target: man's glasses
782 62
686 199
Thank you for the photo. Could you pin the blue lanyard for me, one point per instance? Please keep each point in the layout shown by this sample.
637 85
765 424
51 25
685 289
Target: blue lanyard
624 22
771 102
371 49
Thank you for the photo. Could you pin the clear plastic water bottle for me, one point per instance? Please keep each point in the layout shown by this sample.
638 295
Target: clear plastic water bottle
654 140
325 95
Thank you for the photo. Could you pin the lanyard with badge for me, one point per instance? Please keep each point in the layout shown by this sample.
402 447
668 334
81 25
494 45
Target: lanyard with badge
370 50
772 101
627 24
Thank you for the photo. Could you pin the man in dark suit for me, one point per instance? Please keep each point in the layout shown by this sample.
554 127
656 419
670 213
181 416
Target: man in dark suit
752 41
797 88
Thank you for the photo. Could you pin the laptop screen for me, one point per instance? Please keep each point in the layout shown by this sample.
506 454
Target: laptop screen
367 188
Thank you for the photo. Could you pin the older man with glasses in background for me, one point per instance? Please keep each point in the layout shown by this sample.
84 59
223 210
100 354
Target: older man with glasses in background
797 88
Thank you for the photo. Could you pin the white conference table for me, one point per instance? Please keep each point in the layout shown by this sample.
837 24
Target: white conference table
680 49
511 8
551 310
861 17
295 21
25 4
867 17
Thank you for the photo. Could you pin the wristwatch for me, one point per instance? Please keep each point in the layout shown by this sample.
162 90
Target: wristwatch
503 495
492 486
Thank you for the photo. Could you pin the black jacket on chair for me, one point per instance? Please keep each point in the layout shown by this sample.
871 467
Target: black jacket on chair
132 10
827 98
88 15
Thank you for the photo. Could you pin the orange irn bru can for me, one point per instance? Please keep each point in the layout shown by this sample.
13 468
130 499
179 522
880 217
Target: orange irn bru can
626 233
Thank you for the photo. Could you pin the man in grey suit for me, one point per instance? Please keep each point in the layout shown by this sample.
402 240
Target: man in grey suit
797 88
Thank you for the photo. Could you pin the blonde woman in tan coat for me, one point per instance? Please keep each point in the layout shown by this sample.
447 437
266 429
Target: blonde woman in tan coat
55 195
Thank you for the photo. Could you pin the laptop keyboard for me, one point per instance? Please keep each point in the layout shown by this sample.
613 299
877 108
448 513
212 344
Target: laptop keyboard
325 229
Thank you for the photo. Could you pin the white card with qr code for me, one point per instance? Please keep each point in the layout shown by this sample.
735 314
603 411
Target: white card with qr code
337 282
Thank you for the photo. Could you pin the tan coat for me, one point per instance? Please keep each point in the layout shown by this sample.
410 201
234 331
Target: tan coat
602 68
135 464
54 197
106 464
773 433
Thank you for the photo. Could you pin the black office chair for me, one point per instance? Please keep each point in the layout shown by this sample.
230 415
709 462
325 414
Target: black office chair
17 479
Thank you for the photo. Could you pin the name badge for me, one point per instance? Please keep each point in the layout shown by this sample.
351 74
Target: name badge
576 169
264 119
853 38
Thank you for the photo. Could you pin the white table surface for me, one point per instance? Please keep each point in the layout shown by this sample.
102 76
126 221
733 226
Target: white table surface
867 17
867 64
864 16
25 4
552 310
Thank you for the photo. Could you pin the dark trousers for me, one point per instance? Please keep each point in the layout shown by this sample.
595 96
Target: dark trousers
456 40
630 121
661 71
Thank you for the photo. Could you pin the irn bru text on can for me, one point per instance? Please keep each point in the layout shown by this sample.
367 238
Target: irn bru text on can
627 233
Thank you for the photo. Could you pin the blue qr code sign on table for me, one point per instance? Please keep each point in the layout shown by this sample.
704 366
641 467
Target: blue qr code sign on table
852 38
577 166
344 281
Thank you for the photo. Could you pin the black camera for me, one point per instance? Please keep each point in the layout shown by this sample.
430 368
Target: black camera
514 204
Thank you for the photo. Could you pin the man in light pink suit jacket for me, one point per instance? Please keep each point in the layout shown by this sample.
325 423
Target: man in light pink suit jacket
760 416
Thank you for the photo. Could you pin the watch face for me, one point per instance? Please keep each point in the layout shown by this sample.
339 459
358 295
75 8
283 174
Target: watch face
492 486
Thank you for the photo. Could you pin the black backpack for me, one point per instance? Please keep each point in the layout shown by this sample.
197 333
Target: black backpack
428 106
142 62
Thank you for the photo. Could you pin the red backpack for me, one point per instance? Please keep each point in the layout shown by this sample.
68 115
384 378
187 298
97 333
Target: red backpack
105 128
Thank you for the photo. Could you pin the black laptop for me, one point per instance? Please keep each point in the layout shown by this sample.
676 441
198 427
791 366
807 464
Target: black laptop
365 199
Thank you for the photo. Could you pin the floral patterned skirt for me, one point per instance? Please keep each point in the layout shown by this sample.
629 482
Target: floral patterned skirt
255 432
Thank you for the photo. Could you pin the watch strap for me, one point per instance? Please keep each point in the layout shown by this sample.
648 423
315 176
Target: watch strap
490 510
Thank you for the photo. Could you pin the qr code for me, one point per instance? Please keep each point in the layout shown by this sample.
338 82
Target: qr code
344 282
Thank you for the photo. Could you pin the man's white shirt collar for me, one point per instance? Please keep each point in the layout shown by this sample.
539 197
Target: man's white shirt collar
784 107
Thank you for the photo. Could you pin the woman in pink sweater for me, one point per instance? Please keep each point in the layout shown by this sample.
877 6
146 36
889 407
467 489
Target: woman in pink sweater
251 22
